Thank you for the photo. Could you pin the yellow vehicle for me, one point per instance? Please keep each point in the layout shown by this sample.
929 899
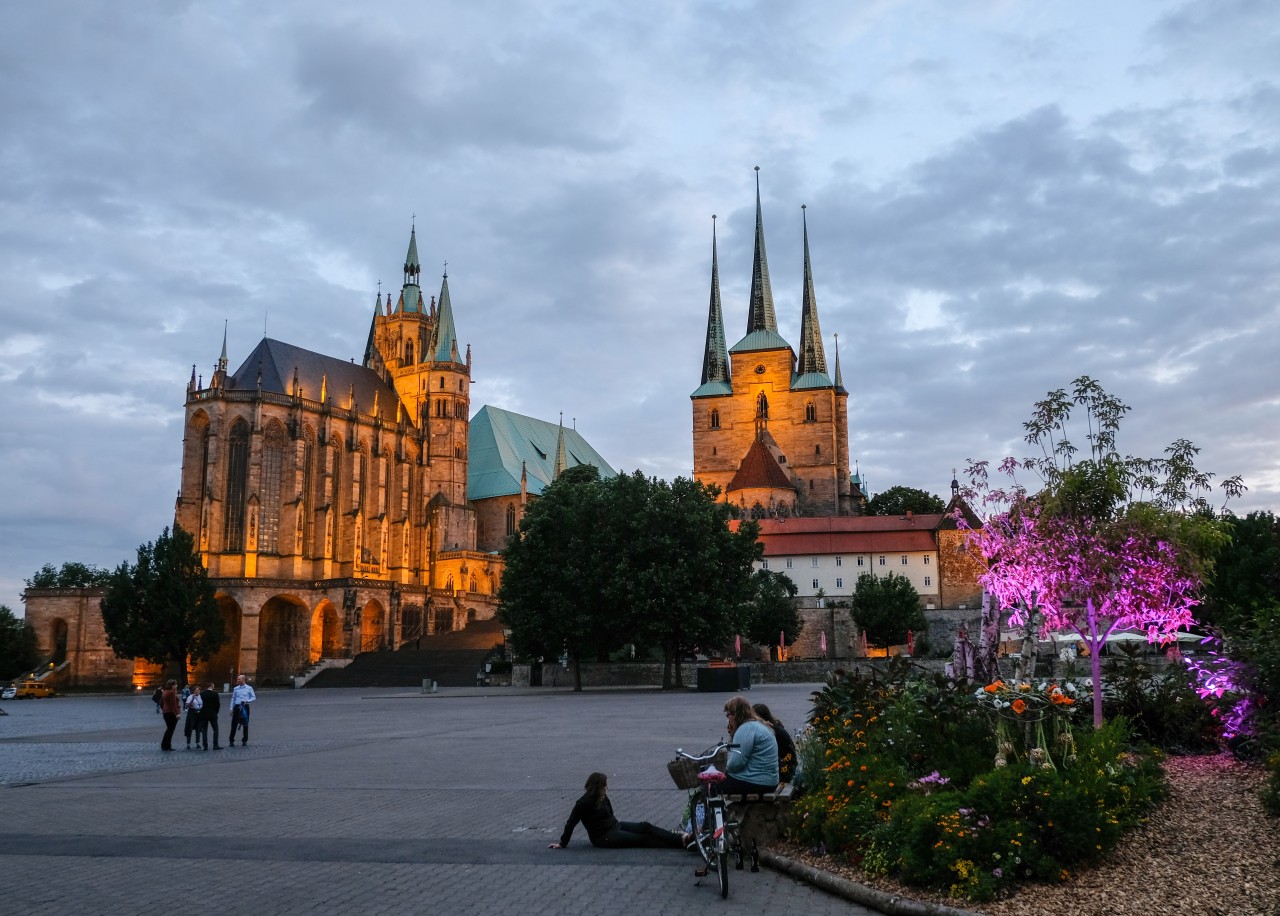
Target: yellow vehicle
33 688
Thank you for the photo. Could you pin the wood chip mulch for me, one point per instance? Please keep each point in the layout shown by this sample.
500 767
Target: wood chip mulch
1208 850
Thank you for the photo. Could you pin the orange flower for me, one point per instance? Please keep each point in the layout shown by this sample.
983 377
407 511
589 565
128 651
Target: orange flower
994 686
1019 706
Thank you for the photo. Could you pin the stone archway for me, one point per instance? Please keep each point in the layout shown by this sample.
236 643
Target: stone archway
284 639
223 666
373 627
58 631
326 633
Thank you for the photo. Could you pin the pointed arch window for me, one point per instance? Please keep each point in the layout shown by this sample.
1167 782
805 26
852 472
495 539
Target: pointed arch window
810 413
237 485
715 418
762 407
272 466
408 353
448 583
511 520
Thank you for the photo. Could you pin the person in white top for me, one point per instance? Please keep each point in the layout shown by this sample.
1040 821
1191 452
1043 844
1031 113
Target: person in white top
193 706
241 696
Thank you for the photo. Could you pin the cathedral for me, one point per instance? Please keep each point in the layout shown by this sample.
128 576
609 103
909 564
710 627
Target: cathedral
339 507
770 425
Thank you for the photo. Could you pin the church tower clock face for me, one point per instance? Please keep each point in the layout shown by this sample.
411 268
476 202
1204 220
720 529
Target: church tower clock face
760 369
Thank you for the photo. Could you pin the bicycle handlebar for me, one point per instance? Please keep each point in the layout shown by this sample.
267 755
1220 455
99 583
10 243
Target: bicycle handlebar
708 754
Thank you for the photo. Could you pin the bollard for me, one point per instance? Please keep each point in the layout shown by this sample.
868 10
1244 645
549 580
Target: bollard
428 685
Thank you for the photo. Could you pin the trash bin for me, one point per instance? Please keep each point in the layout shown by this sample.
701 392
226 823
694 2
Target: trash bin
724 679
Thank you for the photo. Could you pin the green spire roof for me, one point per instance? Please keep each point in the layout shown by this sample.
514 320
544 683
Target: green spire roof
445 339
812 357
715 358
760 316
410 296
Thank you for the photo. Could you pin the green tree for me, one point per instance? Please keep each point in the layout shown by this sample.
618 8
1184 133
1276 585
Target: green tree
772 610
1246 572
901 500
163 608
683 577
18 652
71 575
600 563
555 588
886 608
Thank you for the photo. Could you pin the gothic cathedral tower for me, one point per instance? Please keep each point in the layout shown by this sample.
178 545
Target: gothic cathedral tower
771 428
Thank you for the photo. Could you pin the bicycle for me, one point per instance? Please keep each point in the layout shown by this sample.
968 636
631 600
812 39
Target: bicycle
714 834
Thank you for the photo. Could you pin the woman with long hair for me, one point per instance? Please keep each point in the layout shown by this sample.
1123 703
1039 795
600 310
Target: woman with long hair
753 761
595 812
786 747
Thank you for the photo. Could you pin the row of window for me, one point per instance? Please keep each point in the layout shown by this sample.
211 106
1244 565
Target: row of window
903 560
928 581
762 412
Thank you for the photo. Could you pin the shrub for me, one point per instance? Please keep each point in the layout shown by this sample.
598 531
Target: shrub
904 780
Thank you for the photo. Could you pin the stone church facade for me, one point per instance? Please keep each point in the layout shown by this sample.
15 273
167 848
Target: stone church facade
771 431
329 500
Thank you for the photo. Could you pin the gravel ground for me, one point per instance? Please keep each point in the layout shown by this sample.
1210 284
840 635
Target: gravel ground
1208 850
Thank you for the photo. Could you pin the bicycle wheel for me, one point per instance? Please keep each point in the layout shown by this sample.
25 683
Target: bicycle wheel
721 848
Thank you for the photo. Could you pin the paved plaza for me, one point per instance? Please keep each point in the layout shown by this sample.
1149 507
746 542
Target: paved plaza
364 801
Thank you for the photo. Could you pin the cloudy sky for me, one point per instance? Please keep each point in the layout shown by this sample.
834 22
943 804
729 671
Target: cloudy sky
1002 196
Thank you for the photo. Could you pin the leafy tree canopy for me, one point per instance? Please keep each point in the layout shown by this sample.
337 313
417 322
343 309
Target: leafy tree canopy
599 563
772 612
886 608
163 608
18 651
1108 540
901 500
71 575
1246 571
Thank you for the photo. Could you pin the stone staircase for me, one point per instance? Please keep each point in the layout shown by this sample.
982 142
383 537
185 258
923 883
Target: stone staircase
450 659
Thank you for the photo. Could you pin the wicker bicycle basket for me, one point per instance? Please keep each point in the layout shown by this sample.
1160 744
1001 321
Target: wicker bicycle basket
684 770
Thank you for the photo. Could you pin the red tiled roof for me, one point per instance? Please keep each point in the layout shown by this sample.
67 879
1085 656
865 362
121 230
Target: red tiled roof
759 470
847 534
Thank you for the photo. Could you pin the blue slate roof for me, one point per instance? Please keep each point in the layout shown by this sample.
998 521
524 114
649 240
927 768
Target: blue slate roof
500 442
712 389
277 360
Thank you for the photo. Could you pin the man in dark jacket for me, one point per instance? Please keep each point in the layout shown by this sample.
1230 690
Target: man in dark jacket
171 707
209 716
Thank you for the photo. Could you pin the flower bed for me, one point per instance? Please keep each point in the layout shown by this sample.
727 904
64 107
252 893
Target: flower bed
966 793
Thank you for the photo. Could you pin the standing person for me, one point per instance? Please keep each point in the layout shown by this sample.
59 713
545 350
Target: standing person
209 716
193 704
241 696
787 759
170 708
157 697
595 812
753 763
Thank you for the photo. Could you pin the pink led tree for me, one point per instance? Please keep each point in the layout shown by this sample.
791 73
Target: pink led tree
1108 543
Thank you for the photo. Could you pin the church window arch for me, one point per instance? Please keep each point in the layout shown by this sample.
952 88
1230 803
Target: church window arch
237 485
817 449
715 418
272 472
473 584
448 583
762 407
511 520
442 383
810 413
408 353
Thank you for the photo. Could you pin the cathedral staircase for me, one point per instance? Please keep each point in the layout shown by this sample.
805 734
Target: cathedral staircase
450 659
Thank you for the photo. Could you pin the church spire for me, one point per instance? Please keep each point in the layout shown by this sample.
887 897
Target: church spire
812 357
410 294
222 360
445 339
371 347
715 359
562 458
760 316
839 377
412 268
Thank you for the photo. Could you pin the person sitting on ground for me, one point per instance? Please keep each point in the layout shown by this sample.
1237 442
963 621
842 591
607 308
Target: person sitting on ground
595 812
753 763
787 759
